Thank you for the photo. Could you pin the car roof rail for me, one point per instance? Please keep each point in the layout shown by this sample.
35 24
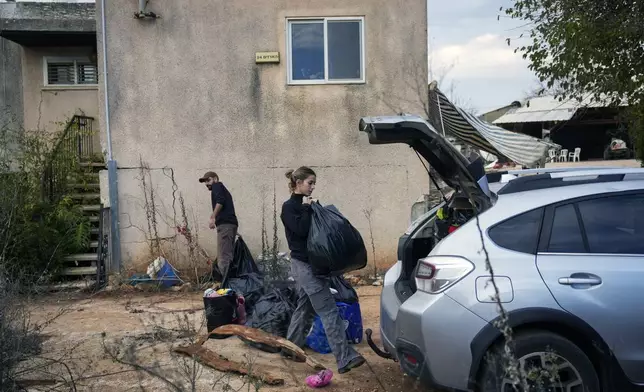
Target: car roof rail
579 176
499 176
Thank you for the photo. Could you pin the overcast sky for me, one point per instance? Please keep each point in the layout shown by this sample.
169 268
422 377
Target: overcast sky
466 34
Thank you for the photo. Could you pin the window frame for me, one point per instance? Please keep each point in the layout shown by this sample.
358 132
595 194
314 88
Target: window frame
325 22
548 221
66 59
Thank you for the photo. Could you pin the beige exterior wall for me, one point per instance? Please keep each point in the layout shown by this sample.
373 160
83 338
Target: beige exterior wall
186 96
49 107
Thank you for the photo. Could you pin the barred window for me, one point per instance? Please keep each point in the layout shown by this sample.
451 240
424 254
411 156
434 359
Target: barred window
70 71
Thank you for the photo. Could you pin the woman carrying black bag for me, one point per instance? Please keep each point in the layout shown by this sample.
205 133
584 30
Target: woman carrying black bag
314 292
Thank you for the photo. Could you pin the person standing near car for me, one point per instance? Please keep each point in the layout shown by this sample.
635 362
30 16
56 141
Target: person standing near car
223 219
314 294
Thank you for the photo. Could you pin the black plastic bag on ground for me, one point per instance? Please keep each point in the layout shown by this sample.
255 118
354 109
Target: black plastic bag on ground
248 285
243 262
334 245
273 314
345 293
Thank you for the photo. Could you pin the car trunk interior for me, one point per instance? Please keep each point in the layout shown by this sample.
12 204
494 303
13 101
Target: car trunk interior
419 242
411 248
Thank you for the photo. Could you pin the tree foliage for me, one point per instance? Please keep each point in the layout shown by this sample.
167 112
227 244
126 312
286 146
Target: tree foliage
588 49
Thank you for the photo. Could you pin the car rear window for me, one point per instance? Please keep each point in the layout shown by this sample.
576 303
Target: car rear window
520 233
614 224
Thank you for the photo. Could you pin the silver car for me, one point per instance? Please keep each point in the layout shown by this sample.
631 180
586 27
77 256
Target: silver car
567 252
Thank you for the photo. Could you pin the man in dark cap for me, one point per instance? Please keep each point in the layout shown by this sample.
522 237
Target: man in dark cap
223 218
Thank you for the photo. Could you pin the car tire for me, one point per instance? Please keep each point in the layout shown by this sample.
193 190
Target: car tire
530 344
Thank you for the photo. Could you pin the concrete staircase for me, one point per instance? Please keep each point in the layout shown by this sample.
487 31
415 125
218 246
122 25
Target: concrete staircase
84 189
73 171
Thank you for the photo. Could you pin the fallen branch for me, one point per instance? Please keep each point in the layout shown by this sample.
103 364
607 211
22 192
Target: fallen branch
222 364
258 336
35 383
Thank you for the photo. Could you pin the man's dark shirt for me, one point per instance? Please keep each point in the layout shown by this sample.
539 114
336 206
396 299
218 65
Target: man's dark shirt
220 195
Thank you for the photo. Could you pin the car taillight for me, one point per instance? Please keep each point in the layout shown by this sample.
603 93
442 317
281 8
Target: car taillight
435 274
411 359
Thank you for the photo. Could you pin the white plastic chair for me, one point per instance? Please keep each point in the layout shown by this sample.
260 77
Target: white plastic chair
552 155
575 156
563 156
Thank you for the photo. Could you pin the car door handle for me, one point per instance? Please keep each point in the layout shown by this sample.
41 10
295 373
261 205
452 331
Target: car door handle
573 281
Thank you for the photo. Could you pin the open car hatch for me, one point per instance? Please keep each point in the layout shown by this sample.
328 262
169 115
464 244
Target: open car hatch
457 171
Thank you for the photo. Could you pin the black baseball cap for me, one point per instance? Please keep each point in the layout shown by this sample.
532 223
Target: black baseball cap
208 175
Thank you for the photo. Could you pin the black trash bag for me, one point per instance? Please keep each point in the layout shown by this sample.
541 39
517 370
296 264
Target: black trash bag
346 293
220 311
273 314
280 285
243 262
334 245
250 286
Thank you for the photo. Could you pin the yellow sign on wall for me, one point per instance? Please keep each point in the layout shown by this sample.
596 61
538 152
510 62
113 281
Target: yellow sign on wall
267 57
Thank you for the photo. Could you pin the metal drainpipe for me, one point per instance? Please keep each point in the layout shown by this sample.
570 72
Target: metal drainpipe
112 177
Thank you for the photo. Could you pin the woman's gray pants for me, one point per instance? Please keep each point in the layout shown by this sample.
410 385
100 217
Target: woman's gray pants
315 297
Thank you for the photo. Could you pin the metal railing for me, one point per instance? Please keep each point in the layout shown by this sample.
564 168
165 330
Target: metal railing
74 145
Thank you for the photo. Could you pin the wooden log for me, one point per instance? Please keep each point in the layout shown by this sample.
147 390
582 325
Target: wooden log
222 364
35 383
259 336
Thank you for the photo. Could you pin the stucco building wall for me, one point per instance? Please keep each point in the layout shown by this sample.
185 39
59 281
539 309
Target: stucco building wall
10 84
186 97
50 107
33 30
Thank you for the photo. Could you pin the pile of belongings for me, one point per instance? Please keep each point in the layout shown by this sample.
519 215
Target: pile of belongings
269 296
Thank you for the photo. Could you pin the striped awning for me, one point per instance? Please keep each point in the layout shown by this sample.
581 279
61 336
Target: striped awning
447 117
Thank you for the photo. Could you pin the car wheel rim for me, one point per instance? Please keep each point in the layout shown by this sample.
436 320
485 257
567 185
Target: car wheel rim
547 372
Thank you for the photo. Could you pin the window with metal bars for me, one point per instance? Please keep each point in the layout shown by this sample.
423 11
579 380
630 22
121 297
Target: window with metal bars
70 71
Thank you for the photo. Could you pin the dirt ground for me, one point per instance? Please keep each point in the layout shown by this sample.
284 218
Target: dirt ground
143 328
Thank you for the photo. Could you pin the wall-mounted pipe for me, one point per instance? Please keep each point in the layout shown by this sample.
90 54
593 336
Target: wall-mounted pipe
112 175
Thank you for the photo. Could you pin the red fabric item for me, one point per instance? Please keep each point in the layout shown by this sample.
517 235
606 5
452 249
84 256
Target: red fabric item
241 310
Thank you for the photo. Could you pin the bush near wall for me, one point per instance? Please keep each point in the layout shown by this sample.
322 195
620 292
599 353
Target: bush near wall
35 234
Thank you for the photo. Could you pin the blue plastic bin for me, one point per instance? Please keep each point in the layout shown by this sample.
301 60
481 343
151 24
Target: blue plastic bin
167 277
352 317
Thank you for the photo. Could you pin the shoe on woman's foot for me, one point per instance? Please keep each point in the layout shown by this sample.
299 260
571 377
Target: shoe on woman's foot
354 363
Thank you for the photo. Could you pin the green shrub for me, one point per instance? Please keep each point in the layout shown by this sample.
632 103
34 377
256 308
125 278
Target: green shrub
35 233
42 235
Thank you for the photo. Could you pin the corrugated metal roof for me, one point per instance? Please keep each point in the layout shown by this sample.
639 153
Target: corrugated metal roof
536 116
546 108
